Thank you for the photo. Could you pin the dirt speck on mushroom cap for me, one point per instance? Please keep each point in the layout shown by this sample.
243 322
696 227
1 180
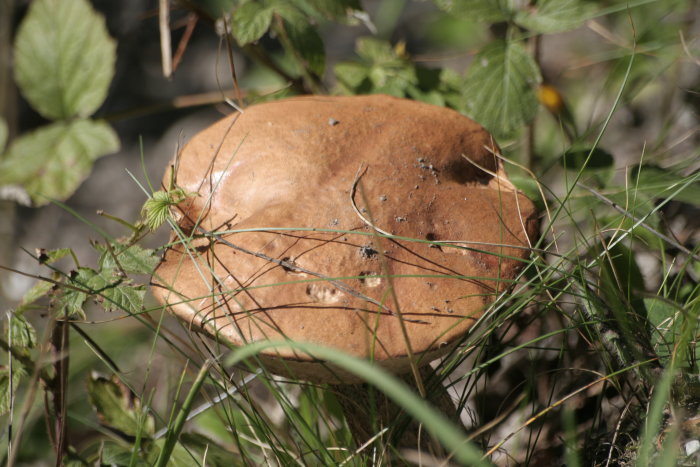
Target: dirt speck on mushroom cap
310 203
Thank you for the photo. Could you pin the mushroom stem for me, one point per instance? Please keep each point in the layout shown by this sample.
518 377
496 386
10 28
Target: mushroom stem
367 411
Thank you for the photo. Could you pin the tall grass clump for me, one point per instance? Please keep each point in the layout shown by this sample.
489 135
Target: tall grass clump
589 358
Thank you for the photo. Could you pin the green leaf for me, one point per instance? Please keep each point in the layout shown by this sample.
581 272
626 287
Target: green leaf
115 454
385 69
156 210
337 10
308 46
39 290
666 320
123 297
22 333
664 183
621 282
116 293
132 260
68 301
117 407
64 58
51 256
178 455
549 16
500 88
491 11
52 161
250 21
376 51
17 373
351 75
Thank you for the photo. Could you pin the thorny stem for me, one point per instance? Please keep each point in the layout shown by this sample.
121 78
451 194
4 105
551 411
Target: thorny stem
55 396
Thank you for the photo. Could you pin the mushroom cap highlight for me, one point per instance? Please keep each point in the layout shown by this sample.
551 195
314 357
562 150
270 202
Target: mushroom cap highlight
331 219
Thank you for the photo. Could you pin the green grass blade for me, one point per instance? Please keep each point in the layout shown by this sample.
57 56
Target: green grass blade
175 429
437 424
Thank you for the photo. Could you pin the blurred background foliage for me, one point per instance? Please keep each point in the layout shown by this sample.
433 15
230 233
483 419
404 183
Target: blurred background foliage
595 102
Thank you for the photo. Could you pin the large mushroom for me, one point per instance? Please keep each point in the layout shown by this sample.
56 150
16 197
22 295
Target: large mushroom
379 226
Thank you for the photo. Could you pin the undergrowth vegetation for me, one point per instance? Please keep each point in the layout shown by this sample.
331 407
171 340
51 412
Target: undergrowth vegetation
591 358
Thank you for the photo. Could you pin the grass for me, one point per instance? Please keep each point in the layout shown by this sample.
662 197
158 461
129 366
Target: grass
591 358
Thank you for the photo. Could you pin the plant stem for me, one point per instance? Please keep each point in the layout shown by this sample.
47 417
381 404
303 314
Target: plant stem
56 389
367 411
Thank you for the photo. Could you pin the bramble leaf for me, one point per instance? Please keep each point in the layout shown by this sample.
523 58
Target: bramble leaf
383 69
250 21
336 10
116 293
117 407
22 333
64 58
132 260
40 289
549 16
69 301
17 372
491 11
52 161
156 209
308 45
500 88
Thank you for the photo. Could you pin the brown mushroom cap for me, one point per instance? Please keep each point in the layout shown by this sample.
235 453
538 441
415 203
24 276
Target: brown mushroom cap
300 186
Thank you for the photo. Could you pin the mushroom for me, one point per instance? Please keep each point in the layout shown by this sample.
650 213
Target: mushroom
379 226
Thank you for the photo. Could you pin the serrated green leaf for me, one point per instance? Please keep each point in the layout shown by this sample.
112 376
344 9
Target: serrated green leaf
115 454
132 260
336 10
376 51
124 297
549 16
491 11
22 333
39 289
308 46
500 88
351 75
51 256
3 134
383 70
68 301
117 407
17 373
156 210
52 161
663 183
64 58
112 291
250 21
